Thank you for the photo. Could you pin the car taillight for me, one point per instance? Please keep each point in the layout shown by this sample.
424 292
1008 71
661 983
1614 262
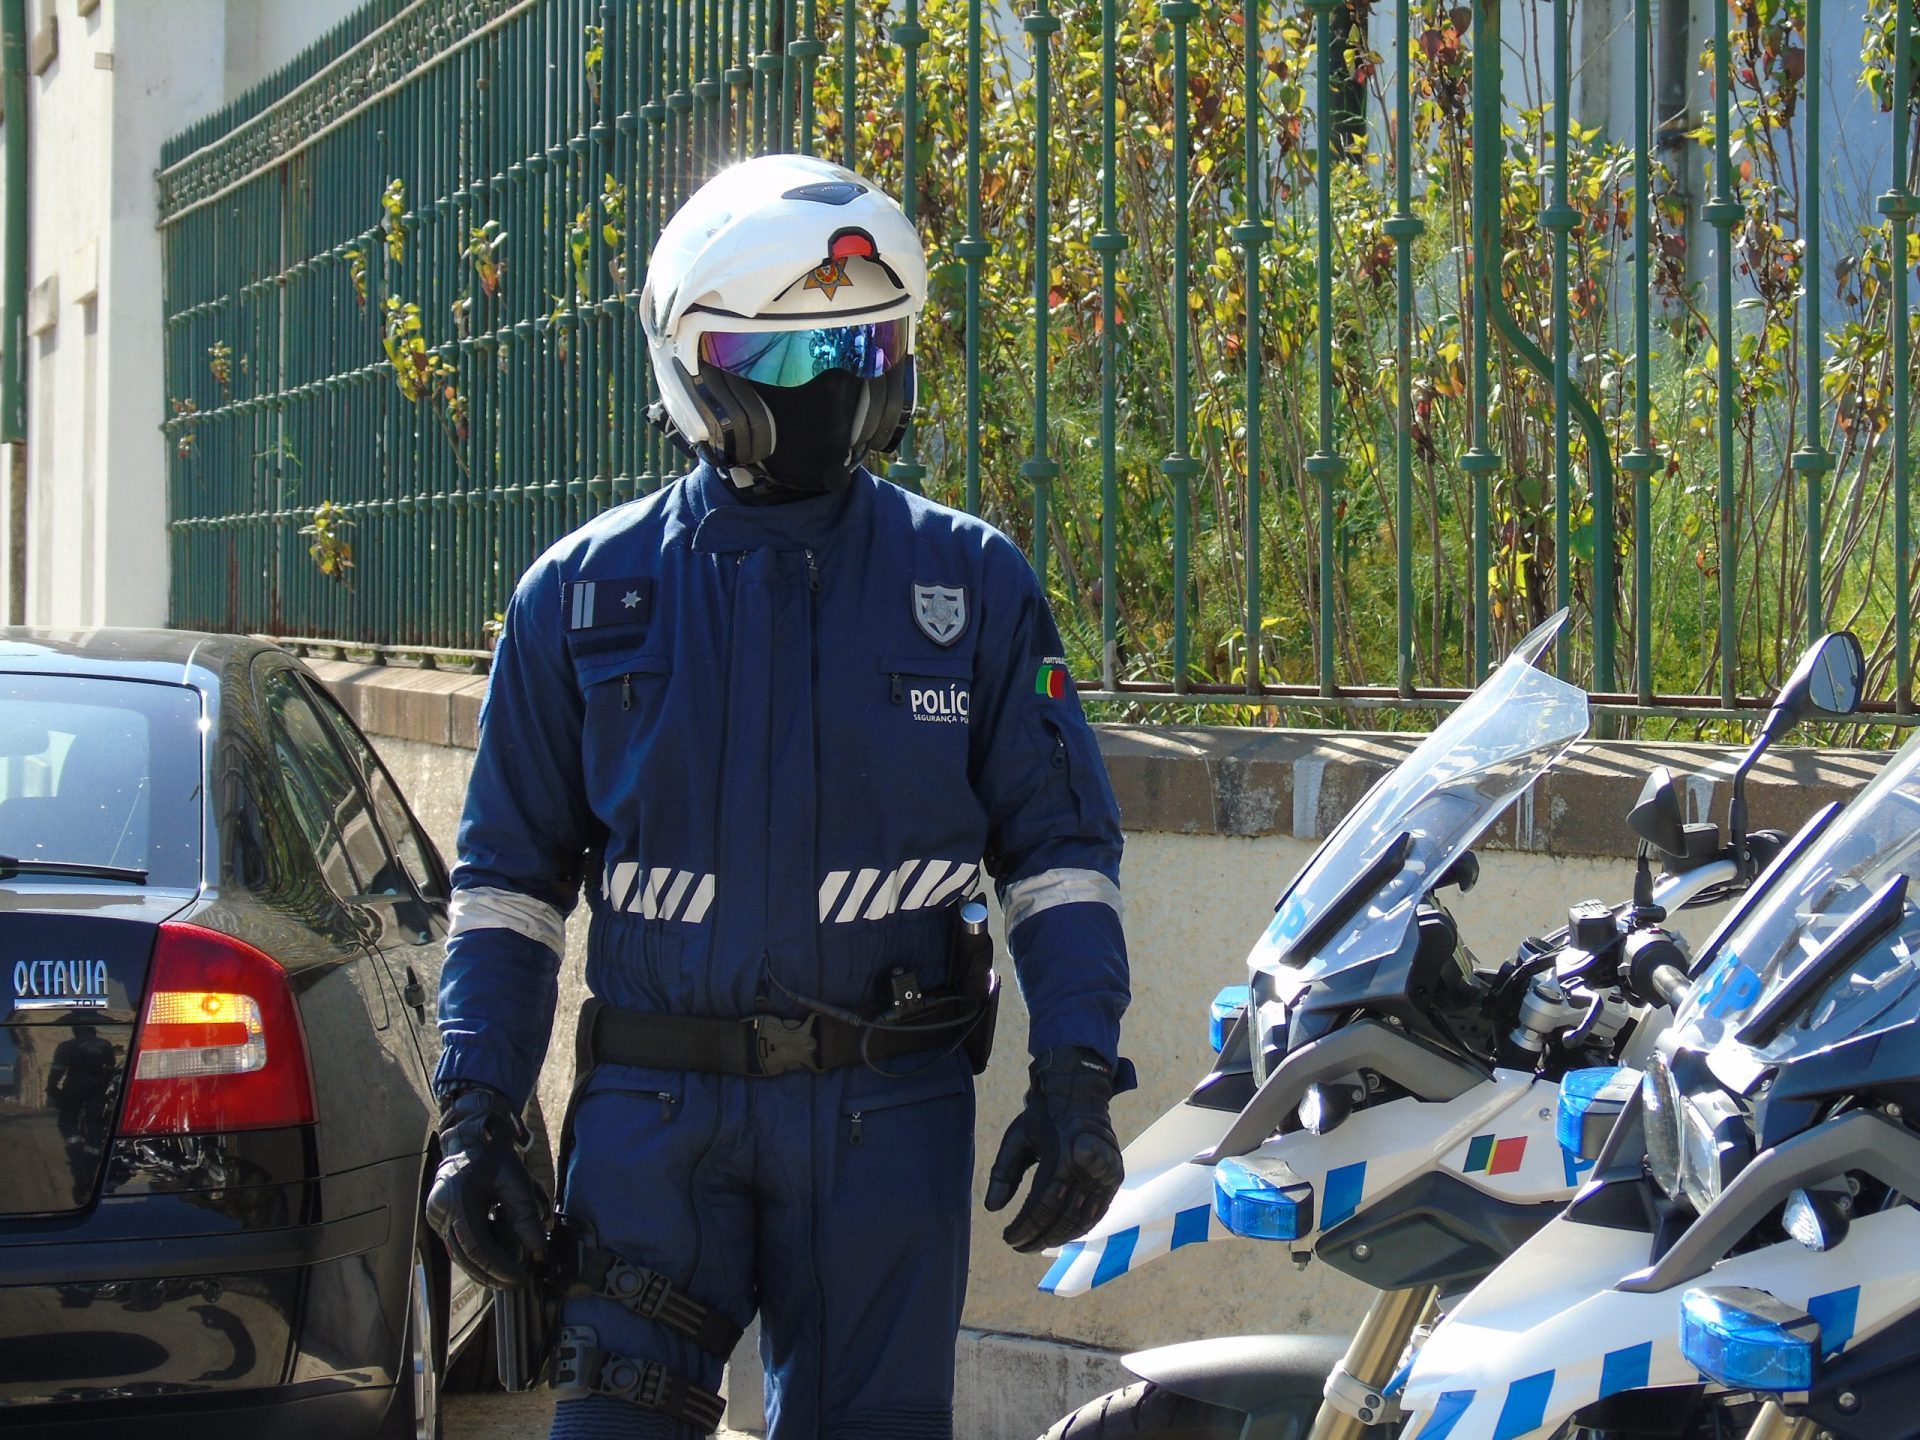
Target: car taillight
220 1045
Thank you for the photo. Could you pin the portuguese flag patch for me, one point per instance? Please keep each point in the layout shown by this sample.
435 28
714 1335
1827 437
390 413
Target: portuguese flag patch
1051 680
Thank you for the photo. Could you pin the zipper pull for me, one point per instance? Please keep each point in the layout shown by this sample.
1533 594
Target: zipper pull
853 1129
626 692
667 1100
899 691
813 572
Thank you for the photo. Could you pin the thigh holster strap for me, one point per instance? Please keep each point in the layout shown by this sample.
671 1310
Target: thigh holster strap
586 1270
581 1366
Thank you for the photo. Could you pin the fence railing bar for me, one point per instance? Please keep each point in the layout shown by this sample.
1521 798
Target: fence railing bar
334 126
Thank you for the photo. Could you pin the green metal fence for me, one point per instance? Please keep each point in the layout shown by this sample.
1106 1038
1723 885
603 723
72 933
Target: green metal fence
403 353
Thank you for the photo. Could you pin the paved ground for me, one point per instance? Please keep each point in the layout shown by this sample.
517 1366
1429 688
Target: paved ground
510 1417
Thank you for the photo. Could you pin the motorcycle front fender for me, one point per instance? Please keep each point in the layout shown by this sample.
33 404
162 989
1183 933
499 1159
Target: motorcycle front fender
1274 1380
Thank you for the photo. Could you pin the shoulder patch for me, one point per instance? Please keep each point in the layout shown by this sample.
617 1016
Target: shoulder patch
941 612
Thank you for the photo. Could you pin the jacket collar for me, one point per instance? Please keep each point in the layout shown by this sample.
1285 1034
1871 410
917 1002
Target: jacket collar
725 524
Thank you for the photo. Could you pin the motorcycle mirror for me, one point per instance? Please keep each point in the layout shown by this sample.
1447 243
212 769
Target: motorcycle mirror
1464 872
1826 680
1656 816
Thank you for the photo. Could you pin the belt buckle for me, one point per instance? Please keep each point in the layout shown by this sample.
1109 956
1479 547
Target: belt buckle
782 1045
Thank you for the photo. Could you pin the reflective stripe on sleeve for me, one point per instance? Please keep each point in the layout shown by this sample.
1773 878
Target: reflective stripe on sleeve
1025 899
485 909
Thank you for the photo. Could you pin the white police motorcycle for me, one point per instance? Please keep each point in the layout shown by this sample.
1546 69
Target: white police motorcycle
1382 1103
1746 1259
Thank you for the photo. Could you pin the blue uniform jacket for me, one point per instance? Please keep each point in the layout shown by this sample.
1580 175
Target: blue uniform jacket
776 744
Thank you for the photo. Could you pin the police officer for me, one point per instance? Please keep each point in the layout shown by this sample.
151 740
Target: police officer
776 717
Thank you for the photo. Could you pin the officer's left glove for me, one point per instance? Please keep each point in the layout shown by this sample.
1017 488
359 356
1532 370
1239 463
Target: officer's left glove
484 1203
1065 1131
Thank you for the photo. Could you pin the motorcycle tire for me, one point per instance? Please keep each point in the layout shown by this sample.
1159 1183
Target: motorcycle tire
1148 1409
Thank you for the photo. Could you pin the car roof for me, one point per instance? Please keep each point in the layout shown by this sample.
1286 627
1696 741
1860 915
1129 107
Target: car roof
182 657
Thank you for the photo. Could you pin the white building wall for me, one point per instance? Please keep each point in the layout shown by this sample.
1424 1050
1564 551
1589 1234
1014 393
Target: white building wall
120 80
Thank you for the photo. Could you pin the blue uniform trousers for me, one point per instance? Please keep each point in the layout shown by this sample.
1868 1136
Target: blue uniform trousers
835 1205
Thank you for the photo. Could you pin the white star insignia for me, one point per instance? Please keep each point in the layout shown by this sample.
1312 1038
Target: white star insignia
631 599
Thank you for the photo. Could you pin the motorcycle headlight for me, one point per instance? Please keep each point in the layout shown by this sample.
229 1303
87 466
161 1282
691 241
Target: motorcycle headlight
1660 1100
1696 1143
1715 1143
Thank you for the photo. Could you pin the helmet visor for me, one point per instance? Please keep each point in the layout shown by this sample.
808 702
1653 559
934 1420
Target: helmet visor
793 357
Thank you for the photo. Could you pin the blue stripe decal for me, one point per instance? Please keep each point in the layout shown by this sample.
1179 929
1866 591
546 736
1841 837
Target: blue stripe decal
1447 1411
1626 1369
1525 1408
1051 1280
1399 1380
1118 1255
1190 1226
1837 1311
1342 1196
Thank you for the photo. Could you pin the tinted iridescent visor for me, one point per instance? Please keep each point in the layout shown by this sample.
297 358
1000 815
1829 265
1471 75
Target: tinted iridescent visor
793 357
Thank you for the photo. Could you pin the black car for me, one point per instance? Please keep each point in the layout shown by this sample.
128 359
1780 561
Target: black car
221 931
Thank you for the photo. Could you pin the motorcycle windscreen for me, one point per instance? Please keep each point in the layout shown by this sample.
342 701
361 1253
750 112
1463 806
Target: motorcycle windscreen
1442 797
1780 946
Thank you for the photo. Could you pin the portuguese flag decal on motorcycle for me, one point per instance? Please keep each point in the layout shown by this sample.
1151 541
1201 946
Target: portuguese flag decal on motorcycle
1493 1155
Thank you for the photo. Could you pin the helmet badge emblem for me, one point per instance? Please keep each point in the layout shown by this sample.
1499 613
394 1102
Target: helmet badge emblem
829 278
941 612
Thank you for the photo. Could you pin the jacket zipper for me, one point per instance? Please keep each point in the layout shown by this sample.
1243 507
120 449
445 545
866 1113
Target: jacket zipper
626 691
854 1136
899 691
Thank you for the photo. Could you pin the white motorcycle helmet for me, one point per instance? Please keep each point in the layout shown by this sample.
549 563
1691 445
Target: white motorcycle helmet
775 273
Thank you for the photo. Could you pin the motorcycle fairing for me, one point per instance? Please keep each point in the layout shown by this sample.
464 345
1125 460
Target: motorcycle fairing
1498 1137
1165 1204
1547 1334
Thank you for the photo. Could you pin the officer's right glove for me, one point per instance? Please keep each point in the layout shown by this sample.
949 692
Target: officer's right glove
1065 1130
483 1203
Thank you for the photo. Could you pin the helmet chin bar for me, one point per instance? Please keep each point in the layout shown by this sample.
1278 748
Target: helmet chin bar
742 430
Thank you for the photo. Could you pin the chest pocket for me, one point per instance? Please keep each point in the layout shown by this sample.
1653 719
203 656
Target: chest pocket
630 674
931 692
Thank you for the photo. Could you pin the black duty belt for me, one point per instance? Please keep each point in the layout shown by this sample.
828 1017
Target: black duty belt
759 1045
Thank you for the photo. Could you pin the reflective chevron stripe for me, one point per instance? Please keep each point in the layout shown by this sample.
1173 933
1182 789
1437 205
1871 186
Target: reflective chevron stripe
658 893
874 894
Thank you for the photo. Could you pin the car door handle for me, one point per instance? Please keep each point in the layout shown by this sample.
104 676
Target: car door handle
415 994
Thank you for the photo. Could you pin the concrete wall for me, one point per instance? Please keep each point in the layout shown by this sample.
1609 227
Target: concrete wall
1218 821
109 86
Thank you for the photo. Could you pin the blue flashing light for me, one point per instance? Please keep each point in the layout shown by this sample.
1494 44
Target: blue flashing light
1590 1101
1227 1007
1747 1340
1256 1207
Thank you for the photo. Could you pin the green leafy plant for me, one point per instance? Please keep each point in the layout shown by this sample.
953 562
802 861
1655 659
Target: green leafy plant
330 546
393 219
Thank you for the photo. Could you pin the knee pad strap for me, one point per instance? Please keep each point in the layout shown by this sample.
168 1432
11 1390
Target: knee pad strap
579 1365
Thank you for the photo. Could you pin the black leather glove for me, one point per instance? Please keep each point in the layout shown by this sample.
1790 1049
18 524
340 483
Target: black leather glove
1065 1131
484 1203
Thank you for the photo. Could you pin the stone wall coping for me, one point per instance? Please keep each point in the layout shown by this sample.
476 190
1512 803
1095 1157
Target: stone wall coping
1227 780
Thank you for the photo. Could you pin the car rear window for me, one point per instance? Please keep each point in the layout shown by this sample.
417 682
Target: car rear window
100 771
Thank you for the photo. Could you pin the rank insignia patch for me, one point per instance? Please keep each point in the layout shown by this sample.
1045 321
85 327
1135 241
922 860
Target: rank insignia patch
598 604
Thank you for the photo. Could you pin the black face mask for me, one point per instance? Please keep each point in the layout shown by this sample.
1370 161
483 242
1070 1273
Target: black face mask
814 427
